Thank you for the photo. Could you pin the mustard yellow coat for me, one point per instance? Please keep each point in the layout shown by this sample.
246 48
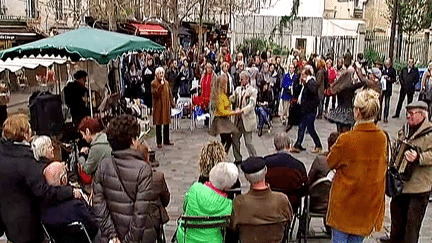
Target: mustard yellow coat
356 204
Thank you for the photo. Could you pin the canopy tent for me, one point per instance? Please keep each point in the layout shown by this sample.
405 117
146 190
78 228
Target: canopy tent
85 42
30 63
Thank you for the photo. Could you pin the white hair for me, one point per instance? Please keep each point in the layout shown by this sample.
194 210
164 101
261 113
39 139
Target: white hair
223 175
257 176
159 70
40 145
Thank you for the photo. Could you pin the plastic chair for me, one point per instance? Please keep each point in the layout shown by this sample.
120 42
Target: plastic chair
203 222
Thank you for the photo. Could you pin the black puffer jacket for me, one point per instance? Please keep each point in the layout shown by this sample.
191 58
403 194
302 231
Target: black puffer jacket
22 188
118 215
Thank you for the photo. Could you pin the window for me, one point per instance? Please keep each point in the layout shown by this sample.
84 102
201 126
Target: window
58 9
31 8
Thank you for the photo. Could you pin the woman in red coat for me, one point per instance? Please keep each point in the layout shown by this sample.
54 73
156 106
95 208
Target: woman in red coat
206 81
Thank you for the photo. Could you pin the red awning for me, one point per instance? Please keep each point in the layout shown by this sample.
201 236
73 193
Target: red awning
150 29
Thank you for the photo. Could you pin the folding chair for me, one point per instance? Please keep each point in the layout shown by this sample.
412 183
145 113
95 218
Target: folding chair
74 232
203 222
319 189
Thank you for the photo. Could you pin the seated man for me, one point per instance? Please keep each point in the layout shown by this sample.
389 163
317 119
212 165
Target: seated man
260 215
285 173
319 196
57 216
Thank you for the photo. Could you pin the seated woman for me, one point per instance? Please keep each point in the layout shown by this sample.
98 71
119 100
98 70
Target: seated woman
209 199
43 151
211 153
264 107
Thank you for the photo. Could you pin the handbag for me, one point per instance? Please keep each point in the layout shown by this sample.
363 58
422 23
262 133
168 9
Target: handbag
394 183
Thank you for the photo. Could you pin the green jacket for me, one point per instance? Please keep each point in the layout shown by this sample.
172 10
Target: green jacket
99 149
201 200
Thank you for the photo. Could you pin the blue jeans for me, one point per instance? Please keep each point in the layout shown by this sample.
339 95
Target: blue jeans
340 237
308 121
263 115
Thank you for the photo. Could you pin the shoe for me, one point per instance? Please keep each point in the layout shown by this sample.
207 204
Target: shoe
169 143
385 121
159 145
288 128
295 150
260 131
384 239
316 150
301 148
395 116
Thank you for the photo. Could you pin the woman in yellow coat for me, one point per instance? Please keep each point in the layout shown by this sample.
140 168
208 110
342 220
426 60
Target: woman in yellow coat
222 111
356 205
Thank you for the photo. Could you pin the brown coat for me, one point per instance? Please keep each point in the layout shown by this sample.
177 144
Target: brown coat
356 203
250 218
162 102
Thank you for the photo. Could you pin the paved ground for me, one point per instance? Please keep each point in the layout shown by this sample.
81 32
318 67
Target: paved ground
179 163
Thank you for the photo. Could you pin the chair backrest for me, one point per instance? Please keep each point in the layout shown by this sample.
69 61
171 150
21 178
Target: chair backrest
204 222
270 233
72 232
288 181
319 193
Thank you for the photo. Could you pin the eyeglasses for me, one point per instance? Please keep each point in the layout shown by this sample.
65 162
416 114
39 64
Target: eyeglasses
412 113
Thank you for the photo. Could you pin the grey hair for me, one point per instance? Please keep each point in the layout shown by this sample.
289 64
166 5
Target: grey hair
257 176
159 70
39 146
223 175
245 73
310 69
281 141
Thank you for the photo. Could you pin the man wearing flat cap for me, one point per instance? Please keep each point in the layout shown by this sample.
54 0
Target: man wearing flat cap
408 209
261 214
75 93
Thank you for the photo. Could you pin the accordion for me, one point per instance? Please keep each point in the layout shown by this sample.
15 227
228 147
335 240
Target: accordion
398 158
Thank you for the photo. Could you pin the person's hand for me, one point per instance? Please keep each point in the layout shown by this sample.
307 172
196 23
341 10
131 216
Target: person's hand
77 193
114 240
411 155
238 112
84 150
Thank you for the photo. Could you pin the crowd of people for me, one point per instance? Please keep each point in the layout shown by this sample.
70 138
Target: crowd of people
124 199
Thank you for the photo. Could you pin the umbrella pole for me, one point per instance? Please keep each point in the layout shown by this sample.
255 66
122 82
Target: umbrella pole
90 92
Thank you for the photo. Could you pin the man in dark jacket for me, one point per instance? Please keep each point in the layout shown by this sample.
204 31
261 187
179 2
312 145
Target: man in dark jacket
22 186
75 93
309 102
389 77
57 216
408 79
285 173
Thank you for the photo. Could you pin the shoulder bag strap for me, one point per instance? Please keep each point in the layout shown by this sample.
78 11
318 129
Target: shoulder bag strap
121 182
388 150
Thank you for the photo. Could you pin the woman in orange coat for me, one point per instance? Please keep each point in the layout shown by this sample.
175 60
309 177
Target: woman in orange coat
356 205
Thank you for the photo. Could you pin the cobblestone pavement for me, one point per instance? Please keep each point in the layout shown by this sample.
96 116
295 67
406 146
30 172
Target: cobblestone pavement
180 164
